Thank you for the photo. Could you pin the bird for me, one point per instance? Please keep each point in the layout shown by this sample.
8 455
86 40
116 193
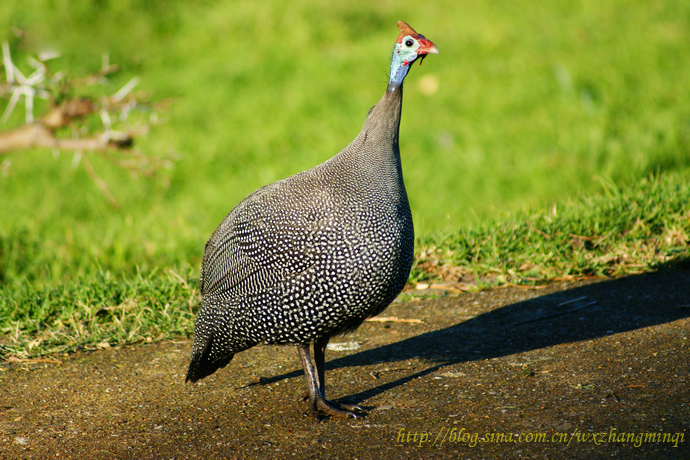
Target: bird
312 256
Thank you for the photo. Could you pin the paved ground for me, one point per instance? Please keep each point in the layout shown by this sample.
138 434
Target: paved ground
596 369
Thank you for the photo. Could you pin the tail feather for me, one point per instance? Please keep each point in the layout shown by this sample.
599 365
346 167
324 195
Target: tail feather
201 365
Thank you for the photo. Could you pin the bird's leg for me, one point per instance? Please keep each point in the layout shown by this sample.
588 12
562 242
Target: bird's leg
320 363
317 403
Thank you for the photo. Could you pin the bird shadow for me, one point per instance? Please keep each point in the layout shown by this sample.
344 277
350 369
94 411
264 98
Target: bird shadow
578 314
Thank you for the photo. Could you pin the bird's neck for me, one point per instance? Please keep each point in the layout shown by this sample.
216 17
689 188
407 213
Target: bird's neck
373 158
398 74
383 120
377 143
376 146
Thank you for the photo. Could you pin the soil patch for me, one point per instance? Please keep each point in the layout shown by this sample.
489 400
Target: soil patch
598 368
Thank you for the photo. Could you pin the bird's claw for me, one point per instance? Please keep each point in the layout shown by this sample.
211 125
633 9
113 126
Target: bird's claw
320 407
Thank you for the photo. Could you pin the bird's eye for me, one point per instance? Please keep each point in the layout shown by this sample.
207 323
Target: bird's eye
409 43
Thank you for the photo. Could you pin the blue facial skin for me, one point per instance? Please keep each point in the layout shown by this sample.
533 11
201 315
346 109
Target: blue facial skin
403 57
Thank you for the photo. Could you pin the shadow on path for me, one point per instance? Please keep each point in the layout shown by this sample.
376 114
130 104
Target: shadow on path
578 314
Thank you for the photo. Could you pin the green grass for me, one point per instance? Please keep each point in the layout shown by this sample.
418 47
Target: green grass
535 103
95 313
627 230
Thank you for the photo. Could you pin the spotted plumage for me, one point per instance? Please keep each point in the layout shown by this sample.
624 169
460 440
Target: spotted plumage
312 256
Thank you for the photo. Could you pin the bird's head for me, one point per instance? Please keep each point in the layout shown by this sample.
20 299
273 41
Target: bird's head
409 47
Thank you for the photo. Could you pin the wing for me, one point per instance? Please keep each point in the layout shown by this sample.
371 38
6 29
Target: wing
267 237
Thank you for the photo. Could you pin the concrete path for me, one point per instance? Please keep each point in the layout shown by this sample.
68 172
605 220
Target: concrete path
593 369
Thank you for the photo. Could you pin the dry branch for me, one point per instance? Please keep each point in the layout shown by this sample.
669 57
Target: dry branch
38 136
69 111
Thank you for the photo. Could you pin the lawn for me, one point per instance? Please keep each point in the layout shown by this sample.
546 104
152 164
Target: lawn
546 141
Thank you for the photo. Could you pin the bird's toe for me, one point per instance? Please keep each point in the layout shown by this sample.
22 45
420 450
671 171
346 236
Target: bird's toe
320 409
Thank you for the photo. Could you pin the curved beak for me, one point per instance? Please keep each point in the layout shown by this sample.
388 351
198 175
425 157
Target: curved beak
426 46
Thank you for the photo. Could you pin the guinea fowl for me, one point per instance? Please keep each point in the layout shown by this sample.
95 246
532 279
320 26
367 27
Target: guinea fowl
312 256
